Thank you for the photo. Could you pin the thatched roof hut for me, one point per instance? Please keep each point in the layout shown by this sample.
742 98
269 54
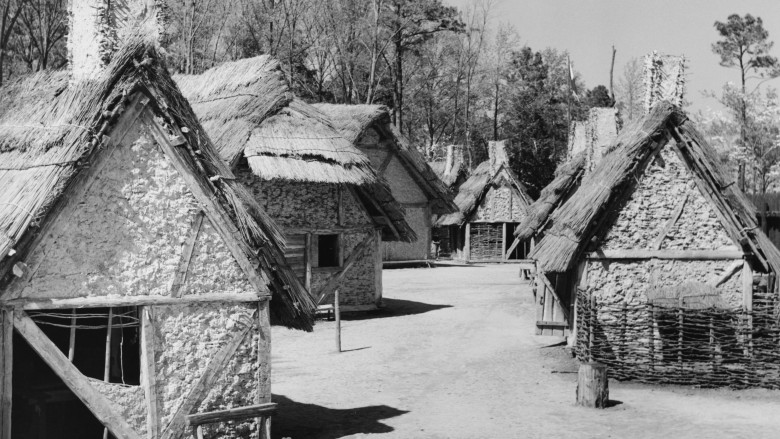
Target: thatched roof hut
490 203
411 180
118 218
313 181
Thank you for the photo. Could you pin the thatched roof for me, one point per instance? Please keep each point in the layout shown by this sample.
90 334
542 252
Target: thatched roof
248 109
353 120
567 180
472 192
50 129
571 227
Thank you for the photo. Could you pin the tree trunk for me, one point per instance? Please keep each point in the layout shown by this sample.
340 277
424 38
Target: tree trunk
495 114
398 88
592 385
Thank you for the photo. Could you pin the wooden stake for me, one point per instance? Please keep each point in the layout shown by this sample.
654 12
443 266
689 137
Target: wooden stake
337 311
72 342
107 363
467 244
592 385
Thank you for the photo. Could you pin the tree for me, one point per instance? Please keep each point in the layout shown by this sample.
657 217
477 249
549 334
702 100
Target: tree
10 11
744 45
629 90
599 97
41 41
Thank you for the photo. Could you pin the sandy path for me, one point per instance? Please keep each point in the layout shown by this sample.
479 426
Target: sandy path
453 356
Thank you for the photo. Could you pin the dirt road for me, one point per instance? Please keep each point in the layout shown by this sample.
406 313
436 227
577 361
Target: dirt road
454 356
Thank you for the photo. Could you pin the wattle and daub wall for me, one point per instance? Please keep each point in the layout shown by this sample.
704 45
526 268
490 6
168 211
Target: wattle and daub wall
314 206
124 236
676 321
502 204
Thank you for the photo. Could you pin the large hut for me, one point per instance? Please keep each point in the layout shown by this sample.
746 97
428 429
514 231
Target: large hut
136 273
491 204
657 264
319 188
412 182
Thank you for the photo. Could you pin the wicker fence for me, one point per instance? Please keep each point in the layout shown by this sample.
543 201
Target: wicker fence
683 343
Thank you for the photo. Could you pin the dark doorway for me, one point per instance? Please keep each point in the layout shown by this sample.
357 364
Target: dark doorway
43 407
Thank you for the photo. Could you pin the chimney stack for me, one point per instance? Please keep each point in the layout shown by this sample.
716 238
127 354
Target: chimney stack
594 136
664 78
497 154
450 160
98 27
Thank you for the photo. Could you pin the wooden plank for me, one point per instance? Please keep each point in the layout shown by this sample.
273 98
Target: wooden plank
180 277
336 279
99 405
149 372
263 394
512 248
238 413
199 391
670 224
747 287
6 367
204 194
106 301
667 254
546 282
337 313
549 303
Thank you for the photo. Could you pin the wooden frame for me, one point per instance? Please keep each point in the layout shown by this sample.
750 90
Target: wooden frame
261 412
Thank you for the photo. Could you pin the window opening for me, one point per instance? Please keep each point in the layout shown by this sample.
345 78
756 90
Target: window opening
328 251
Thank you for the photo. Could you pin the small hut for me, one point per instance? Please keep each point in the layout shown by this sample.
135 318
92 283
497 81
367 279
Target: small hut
313 182
135 271
491 204
657 264
412 182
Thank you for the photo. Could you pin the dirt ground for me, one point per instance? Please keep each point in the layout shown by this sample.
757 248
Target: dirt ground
454 356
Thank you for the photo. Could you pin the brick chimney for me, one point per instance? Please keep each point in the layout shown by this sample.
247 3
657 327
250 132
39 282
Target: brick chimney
98 27
664 78
497 154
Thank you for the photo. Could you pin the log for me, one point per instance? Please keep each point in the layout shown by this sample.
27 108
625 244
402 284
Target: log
703 255
592 385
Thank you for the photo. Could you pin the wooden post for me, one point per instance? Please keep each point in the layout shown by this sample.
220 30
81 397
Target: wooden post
680 335
378 267
107 362
651 336
747 302
307 258
591 323
504 255
467 244
72 341
592 385
337 311
148 372
6 367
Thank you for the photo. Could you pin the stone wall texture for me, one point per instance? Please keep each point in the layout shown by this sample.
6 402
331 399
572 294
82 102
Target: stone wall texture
126 234
129 401
187 337
311 206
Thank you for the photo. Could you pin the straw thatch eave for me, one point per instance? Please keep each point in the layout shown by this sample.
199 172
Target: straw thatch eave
353 120
566 181
473 191
50 129
587 213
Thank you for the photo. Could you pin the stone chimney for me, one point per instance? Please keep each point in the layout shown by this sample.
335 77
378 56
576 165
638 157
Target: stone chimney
577 138
450 160
664 78
594 136
497 154
98 27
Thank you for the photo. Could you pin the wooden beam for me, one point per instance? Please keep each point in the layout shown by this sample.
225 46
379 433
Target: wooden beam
149 372
340 206
6 367
703 255
389 222
180 277
731 270
503 240
108 301
99 405
328 231
670 224
204 193
334 280
378 265
385 163
467 244
199 391
307 253
238 413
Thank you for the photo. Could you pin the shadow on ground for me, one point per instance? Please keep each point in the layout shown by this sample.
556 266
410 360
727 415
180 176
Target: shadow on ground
296 420
395 308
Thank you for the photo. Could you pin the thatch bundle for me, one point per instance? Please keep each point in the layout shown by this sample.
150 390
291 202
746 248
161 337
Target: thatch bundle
572 226
50 129
352 121
566 181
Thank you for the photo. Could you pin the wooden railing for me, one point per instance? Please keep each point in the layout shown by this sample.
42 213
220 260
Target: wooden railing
262 412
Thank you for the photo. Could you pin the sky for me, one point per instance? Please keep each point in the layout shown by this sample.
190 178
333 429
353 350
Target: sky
589 28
